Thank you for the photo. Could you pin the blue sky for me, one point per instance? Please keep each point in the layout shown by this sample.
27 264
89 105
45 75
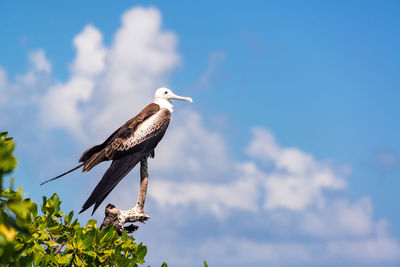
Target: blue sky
289 155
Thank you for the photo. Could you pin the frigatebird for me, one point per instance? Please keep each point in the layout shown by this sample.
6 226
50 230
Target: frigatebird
128 145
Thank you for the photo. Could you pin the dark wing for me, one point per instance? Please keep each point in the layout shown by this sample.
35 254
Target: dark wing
96 154
121 166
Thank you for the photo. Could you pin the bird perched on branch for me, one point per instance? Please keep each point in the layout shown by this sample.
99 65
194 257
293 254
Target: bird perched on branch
130 143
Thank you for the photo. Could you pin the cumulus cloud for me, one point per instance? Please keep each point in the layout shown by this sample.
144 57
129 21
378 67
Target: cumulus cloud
39 61
23 91
298 180
208 197
60 106
340 218
379 247
138 62
37 75
91 53
190 150
3 83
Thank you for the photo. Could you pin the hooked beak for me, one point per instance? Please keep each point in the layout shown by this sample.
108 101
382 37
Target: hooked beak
177 97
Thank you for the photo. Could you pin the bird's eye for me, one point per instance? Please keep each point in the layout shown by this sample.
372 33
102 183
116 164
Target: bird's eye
165 92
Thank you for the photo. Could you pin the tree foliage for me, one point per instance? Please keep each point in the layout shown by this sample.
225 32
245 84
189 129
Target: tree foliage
56 239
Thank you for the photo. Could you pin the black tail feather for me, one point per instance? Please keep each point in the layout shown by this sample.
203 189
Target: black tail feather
61 175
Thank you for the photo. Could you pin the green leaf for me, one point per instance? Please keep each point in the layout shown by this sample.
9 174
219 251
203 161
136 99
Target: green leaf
91 223
87 242
65 259
90 253
18 246
79 244
108 252
36 259
33 209
106 234
205 264
68 218
8 193
51 243
39 248
141 252
56 204
164 264
47 259
124 236
77 260
7 161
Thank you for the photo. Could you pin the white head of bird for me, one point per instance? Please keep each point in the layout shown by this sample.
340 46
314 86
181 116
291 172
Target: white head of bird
163 97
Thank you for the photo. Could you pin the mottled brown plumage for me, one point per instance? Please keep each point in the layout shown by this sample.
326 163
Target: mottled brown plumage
114 147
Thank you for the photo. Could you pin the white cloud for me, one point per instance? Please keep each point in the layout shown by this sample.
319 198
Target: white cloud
141 47
264 147
218 199
91 53
141 56
378 248
340 218
190 150
298 192
3 84
298 180
37 75
60 106
39 61
3 78
23 91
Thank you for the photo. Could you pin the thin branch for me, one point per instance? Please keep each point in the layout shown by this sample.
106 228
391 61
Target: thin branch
59 248
118 217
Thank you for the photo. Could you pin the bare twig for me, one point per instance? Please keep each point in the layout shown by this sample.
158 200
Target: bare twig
118 217
59 248
144 180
